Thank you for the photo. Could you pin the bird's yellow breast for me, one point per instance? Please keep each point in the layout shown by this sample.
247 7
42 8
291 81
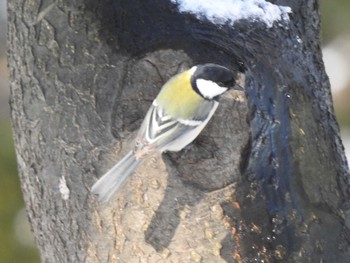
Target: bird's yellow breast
178 98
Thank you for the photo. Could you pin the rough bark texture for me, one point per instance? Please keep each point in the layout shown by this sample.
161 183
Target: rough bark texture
266 181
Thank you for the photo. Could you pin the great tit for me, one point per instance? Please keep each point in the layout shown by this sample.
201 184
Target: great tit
179 113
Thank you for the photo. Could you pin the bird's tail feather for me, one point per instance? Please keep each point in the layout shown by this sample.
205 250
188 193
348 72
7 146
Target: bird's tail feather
109 183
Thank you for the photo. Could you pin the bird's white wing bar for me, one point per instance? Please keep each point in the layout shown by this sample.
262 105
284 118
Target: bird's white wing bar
190 122
158 126
162 131
181 139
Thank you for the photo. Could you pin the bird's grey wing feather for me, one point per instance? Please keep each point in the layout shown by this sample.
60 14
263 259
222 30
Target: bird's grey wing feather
168 134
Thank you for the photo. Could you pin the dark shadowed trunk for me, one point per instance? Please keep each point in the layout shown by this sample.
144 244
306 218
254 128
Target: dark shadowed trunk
266 181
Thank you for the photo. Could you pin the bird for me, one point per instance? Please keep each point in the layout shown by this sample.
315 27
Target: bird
182 108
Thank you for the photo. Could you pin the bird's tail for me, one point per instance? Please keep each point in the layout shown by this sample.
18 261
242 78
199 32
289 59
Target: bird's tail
109 183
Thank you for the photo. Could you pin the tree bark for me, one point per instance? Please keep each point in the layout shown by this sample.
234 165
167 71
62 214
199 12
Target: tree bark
266 181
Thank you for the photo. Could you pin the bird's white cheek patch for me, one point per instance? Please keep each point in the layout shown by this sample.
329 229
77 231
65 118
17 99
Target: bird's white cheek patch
209 89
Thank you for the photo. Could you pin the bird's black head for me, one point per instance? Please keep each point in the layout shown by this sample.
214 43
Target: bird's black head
211 80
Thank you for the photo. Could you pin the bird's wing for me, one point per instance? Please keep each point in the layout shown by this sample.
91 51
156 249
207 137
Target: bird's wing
168 134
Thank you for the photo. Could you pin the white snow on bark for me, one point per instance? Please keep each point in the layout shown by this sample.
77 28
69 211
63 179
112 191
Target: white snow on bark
230 11
64 190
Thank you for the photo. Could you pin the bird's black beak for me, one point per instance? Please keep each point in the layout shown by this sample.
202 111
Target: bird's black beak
238 87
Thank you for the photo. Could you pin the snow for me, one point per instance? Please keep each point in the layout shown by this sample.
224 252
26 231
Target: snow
64 190
230 11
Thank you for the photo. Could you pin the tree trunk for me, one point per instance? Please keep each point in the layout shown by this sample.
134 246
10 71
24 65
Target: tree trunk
266 181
